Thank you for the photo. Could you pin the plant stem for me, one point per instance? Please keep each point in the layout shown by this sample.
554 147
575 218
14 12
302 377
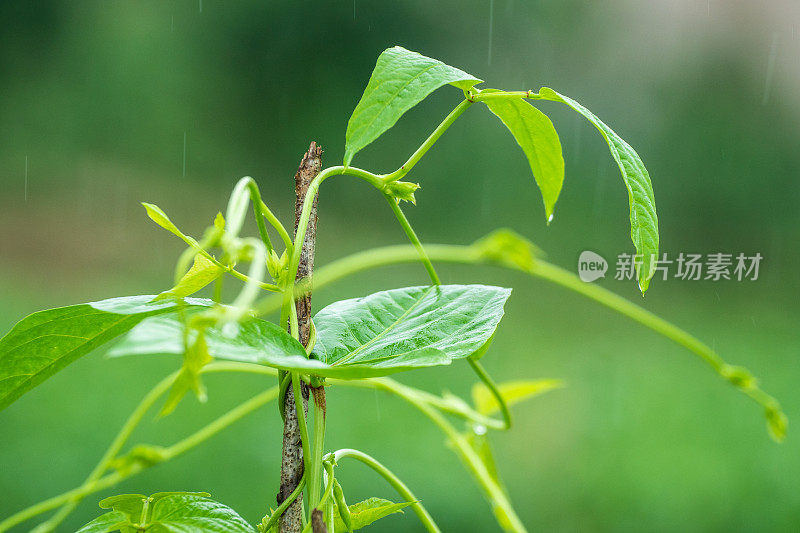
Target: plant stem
395 482
412 236
71 498
273 519
255 198
492 386
295 458
429 142
112 451
502 507
320 414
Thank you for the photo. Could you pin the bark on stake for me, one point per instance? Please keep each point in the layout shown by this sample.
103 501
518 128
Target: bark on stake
292 458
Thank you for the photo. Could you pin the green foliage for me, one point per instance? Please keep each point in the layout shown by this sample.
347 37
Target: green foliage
167 512
366 512
508 248
406 328
45 342
401 80
537 137
380 334
203 272
512 392
644 221
353 340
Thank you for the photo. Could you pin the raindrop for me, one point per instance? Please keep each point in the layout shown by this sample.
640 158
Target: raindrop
479 429
26 178
550 219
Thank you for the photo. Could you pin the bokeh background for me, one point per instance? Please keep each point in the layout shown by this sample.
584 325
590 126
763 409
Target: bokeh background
106 104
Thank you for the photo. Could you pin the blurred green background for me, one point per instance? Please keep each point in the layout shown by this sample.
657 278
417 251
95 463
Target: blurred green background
108 103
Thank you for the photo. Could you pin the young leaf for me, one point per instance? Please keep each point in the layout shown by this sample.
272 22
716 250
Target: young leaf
508 248
130 505
478 439
512 391
202 273
537 137
105 523
45 342
364 513
401 79
195 357
160 217
644 222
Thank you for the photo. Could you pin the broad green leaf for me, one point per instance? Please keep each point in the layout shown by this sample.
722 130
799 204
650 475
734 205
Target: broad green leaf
105 523
203 272
512 392
253 341
168 512
366 512
508 248
256 341
180 513
408 327
644 222
45 342
537 137
401 79
384 333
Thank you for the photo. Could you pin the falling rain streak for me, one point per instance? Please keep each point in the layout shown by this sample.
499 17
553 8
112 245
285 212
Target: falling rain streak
26 178
773 53
491 24
184 154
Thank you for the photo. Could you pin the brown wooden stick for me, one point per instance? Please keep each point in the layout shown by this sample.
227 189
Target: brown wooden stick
317 522
292 458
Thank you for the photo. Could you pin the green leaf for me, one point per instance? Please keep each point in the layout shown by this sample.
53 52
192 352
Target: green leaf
195 357
384 333
401 79
644 222
253 341
160 217
168 512
203 272
508 248
366 512
512 392
130 505
179 513
537 137
45 342
105 523
411 327
478 439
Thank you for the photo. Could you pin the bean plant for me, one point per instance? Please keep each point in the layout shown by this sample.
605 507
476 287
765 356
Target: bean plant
355 342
